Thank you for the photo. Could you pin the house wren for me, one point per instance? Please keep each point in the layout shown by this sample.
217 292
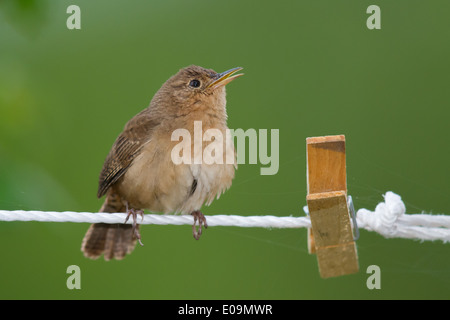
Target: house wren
139 172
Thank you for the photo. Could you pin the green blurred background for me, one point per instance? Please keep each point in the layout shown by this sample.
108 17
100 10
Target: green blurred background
311 68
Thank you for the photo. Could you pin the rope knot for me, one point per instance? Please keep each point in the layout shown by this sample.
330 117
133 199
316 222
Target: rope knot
384 219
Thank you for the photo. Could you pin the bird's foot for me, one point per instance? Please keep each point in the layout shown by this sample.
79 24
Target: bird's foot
201 221
133 213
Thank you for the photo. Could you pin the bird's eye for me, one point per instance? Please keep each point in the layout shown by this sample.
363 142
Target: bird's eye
194 83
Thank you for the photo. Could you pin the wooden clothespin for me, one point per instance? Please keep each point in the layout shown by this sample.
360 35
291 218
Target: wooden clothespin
331 235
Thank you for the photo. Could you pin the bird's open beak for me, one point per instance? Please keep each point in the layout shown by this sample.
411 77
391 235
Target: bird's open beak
225 77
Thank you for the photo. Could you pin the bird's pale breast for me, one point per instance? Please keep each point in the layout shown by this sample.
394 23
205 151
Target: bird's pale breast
156 183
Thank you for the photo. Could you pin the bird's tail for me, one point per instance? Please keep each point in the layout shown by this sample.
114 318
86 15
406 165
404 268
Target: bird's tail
114 241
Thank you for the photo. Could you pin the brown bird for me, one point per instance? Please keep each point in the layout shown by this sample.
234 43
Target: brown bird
139 172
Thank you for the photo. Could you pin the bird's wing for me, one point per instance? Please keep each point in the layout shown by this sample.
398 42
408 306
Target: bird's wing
127 146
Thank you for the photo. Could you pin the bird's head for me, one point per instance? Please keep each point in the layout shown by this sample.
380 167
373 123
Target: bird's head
195 88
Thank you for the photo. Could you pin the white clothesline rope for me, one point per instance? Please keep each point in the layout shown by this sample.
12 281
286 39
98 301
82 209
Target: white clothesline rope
388 219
